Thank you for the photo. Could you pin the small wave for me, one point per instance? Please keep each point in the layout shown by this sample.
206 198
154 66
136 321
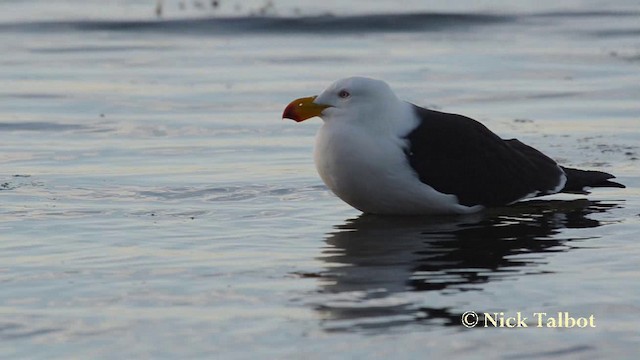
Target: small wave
317 24
234 193
632 32
586 14
39 126
14 331
95 49
277 25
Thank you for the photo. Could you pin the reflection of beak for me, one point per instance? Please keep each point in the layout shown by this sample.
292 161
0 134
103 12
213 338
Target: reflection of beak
303 109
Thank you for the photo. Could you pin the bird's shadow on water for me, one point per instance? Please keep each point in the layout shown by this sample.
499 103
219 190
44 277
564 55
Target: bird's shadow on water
370 260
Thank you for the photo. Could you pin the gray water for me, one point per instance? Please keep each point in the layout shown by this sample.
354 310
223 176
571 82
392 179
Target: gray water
154 205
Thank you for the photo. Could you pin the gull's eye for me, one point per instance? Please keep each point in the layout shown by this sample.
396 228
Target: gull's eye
344 94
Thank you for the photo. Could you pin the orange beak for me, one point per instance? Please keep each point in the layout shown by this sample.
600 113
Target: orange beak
303 109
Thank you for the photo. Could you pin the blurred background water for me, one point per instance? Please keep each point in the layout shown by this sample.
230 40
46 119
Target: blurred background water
154 205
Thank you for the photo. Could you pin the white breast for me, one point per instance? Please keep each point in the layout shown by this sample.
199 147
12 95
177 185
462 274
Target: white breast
370 171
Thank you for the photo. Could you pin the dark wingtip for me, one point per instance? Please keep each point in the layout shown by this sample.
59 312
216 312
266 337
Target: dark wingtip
577 180
609 183
606 182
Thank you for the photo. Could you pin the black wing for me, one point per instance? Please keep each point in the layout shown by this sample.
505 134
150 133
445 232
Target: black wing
458 155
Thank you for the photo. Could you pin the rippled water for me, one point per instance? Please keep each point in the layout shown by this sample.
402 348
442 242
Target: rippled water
154 204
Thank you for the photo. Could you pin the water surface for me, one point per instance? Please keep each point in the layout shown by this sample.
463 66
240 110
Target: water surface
155 205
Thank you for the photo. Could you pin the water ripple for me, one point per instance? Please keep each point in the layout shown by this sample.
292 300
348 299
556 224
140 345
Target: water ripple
278 25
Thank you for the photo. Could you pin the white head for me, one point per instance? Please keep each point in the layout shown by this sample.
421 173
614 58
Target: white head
351 99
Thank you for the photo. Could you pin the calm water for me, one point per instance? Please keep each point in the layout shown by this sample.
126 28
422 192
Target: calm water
154 204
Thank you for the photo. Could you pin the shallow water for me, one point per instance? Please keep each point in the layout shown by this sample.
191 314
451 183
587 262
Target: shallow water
155 205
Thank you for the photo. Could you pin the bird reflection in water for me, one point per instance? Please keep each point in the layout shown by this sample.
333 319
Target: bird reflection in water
370 260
